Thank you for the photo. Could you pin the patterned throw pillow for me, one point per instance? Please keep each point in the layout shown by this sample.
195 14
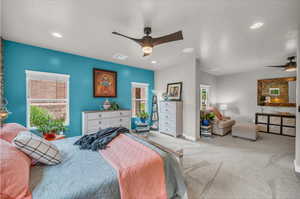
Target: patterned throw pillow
37 148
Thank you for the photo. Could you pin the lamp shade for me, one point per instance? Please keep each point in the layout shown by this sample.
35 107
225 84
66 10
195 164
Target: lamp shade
223 107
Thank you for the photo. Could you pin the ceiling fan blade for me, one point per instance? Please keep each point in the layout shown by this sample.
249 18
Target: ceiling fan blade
139 41
146 54
282 66
291 64
167 38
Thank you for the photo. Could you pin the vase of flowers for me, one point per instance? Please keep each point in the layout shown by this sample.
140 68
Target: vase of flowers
106 105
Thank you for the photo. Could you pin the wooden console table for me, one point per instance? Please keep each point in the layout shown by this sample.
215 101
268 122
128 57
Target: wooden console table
276 123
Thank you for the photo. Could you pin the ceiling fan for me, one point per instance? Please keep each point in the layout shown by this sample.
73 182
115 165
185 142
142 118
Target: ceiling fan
147 42
288 67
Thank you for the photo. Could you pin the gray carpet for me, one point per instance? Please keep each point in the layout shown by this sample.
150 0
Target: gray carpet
232 168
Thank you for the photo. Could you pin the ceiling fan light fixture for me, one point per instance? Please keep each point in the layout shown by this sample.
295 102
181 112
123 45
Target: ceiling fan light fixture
256 25
290 69
147 49
56 35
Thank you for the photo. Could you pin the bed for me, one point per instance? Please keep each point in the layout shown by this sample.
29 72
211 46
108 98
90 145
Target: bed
85 174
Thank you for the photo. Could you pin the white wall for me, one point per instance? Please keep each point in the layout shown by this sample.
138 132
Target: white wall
297 154
184 72
207 79
239 91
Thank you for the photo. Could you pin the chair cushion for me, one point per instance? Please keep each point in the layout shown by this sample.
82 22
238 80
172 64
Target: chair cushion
37 148
14 172
10 130
225 123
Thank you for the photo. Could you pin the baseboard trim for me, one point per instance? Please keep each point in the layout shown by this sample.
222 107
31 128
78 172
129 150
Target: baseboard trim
190 138
297 167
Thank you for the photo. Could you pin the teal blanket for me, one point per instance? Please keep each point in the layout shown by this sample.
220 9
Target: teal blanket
85 174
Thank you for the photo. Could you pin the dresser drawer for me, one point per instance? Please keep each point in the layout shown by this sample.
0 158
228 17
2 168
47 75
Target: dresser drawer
168 123
167 116
288 121
262 119
106 123
168 130
125 113
170 105
125 122
167 110
101 115
289 131
108 114
274 129
275 120
91 131
95 123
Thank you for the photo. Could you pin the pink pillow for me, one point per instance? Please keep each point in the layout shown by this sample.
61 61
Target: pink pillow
216 112
14 172
10 130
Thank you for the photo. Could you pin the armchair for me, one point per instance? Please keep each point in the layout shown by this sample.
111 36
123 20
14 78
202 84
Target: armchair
221 125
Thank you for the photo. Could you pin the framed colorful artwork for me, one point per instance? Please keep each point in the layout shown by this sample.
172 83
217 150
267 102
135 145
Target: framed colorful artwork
105 83
174 91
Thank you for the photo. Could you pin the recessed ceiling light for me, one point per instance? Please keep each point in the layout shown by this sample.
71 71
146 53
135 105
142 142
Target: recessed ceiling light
188 50
57 35
154 62
256 25
120 56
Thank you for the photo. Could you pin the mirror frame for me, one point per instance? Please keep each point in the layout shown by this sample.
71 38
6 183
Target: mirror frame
259 91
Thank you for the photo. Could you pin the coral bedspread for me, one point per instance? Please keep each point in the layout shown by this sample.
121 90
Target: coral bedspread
140 169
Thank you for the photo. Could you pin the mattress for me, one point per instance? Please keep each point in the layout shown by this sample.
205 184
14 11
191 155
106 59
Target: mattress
86 174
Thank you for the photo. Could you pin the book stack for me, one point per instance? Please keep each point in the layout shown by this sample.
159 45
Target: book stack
206 131
142 128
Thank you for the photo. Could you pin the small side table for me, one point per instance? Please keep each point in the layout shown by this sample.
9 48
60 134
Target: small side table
142 127
206 131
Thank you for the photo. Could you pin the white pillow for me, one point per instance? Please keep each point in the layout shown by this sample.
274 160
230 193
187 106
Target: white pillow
37 148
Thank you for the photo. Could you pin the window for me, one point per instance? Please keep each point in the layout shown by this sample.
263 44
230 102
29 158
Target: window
49 92
139 96
204 97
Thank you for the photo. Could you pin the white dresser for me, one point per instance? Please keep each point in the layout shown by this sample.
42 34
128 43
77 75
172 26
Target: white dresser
170 118
93 121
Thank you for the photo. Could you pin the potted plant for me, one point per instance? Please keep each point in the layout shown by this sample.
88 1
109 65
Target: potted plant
206 118
143 115
45 123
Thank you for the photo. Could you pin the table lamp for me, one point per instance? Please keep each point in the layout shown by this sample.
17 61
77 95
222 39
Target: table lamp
223 108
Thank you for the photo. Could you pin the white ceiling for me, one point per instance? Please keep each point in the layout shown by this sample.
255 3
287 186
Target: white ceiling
217 29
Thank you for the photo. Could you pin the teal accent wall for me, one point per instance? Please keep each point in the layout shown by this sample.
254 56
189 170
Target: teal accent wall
20 57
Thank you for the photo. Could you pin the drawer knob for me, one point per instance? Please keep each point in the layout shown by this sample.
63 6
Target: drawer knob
99 122
100 115
121 120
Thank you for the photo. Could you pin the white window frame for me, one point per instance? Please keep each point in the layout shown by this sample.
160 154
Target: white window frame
139 85
208 89
57 76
